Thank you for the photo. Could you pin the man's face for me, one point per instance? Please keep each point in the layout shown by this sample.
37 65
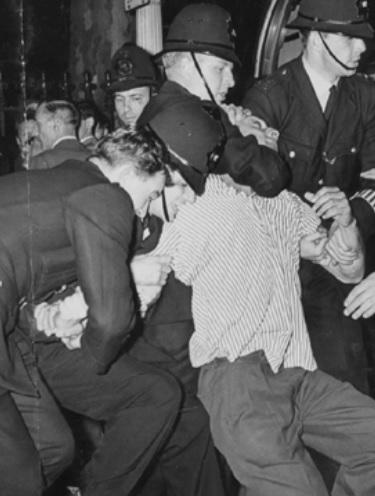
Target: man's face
347 49
143 189
130 104
176 195
218 74
46 128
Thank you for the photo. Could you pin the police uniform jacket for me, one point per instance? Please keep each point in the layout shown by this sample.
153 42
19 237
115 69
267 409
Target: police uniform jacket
320 152
246 161
58 226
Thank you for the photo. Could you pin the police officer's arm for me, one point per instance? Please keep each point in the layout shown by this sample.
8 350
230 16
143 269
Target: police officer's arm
99 221
363 201
257 101
251 164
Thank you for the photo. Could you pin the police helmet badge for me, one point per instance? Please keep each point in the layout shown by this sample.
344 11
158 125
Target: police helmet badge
124 67
231 31
363 10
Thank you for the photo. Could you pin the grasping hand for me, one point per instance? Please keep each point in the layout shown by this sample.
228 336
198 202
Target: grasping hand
361 300
150 269
331 203
312 246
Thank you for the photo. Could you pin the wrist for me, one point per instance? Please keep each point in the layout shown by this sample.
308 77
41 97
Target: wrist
349 225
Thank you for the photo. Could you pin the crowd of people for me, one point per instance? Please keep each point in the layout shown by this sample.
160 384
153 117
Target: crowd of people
193 284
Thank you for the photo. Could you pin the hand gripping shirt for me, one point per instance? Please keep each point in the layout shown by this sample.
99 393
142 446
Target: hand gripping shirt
241 256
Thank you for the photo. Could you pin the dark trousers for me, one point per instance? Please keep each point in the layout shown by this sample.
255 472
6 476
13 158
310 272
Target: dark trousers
35 441
188 465
337 341
137 403
262 423
20 469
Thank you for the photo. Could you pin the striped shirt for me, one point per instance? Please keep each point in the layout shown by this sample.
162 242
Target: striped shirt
241 256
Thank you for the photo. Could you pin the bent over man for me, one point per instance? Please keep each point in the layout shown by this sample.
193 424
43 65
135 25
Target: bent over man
75 222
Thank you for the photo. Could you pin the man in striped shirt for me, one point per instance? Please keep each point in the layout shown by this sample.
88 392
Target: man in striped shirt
266 400
258 379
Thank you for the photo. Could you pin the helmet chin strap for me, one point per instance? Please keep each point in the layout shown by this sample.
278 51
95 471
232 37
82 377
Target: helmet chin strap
346 67
199 70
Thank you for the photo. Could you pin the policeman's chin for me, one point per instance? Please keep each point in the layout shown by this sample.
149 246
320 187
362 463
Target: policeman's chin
220 97
349 70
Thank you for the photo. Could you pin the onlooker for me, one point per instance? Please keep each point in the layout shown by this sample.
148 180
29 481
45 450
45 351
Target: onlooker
57 122
27 137
93 124
325 114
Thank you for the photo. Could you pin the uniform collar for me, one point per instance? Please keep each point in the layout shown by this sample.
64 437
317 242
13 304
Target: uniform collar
320 84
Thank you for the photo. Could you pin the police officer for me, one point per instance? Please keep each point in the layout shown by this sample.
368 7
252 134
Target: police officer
325 114
198 57
134 81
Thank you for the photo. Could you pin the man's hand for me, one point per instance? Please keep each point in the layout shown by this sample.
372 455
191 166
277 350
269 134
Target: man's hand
150 270
249 124
312 246
331 203
147 296
361 300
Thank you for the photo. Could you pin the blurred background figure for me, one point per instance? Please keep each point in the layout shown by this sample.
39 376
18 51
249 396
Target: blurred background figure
27 137
93 124
57 122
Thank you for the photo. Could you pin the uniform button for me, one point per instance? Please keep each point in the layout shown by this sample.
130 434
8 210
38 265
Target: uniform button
292 154
353 149
320 182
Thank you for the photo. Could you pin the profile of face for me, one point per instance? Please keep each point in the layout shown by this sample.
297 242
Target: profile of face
130 104
176 195
347 49
46 127
218 74
142 189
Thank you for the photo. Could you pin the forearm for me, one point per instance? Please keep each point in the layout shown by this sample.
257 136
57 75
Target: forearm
345 253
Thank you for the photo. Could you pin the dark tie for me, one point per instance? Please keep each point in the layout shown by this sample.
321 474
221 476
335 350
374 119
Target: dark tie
330 102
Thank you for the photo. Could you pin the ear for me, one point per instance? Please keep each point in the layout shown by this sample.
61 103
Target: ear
314 39
57 125
186 61
89 123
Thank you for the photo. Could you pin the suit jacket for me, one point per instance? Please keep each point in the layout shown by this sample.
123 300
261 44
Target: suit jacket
332 153
66 149
246 161
58 226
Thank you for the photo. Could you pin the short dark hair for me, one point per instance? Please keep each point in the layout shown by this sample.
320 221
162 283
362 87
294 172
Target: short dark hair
87 109
142 148
62 109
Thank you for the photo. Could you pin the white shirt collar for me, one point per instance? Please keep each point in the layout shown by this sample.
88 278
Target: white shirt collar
320 84
68 137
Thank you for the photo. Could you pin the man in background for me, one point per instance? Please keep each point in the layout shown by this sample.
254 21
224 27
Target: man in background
57 122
